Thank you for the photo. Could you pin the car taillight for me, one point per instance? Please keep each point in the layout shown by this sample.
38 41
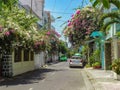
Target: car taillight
81 60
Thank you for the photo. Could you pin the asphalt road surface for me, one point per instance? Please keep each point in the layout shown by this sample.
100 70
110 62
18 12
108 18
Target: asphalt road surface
57 76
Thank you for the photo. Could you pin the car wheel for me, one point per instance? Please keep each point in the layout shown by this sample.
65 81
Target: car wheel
82 66
70 66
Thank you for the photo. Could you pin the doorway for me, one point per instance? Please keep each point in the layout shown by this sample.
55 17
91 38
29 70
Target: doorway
108 57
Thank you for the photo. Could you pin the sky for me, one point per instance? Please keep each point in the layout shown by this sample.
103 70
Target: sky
63 9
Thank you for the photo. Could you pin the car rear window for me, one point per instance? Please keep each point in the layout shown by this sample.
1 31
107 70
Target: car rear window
76 57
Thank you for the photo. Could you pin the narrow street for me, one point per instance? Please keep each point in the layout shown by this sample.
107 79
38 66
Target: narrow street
54 77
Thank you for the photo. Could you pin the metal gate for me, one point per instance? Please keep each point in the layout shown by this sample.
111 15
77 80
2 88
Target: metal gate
108 56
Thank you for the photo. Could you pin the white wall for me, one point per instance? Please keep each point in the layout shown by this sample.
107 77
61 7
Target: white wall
37 6
55 57
39 60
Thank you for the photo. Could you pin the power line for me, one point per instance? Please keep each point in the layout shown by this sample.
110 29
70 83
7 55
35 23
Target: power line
60 12
64 12
54 5
68 6
82 3
86 2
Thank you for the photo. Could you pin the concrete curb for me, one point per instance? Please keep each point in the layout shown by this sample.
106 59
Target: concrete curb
94 82
88 83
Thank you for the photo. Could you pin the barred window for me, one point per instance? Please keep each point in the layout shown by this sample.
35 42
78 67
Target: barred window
18 55
26 55
32 56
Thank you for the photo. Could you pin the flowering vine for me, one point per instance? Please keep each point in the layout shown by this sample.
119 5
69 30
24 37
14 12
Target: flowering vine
16 31
82 24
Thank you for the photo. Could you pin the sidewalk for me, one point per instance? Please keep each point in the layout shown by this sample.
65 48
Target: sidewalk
102 79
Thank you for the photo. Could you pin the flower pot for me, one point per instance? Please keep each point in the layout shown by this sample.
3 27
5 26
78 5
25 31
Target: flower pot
96 67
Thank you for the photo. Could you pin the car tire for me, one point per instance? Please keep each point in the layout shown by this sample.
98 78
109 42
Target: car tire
82 66
70 66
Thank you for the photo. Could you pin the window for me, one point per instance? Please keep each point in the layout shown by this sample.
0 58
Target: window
32 56
117 27
26 55
17 55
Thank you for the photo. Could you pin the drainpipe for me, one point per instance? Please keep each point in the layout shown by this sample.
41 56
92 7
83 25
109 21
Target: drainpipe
103 54
31 6
115 41
88 54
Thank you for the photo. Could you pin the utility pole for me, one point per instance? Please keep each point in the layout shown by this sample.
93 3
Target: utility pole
31 6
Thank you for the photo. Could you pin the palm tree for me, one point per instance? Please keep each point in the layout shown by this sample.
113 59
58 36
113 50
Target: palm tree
114 16
106 3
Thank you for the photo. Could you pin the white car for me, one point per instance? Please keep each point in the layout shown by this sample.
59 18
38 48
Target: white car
76 61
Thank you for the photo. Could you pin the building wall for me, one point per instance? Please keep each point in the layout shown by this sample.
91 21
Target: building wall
36 5
47 19
39 60
21 67
112 34
114 27
55 57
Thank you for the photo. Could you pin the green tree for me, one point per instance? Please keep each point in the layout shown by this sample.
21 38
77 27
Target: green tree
106 3
82 24
8 3
114 16
62 47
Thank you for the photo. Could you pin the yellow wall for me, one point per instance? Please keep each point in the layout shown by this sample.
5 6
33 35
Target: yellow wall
21 67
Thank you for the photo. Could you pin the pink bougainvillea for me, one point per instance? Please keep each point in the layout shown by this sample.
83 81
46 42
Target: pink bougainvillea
57 34
38 44
48 33
69 24
72 15
78 11
7 33
81 24
53 32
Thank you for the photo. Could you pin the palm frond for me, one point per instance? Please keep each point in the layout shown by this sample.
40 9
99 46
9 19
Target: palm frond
109 23
116 3
112 15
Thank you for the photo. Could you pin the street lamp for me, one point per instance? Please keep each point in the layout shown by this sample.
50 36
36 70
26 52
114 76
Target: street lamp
53 19
59 17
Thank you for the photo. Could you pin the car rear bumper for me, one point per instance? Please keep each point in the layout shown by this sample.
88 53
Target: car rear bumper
73 64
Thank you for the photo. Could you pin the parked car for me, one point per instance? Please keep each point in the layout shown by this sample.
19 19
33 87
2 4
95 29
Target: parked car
76 61
77 54
63 58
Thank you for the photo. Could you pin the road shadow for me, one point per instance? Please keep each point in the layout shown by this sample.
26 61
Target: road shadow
53 63
78 67
27 78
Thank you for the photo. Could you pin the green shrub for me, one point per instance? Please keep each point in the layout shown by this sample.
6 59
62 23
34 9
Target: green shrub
87 65
96 64
116 66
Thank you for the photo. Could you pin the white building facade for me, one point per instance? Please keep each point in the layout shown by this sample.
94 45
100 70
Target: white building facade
36 7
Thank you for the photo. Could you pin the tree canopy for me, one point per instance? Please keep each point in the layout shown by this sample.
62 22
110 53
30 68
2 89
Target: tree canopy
82 24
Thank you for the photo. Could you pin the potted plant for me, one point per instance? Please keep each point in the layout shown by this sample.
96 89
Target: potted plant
96 65
116 67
